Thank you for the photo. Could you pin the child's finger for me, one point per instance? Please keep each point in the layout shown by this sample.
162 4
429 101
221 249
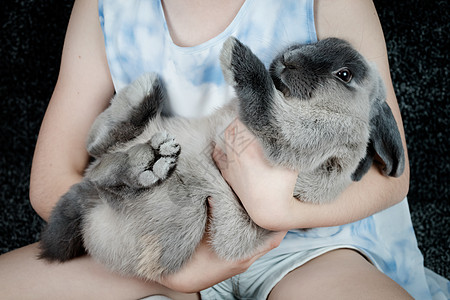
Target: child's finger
220 158
230 138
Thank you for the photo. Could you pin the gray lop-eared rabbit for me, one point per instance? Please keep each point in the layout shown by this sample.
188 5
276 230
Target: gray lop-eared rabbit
141 208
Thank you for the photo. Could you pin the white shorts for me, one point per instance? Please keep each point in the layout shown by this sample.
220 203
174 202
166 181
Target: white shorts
263 275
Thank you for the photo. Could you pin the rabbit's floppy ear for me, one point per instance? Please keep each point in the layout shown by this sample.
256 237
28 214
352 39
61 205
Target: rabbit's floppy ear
385 139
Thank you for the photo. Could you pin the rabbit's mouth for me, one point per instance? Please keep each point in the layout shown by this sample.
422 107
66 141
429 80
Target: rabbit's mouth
293 80
279 85
276 70
299 89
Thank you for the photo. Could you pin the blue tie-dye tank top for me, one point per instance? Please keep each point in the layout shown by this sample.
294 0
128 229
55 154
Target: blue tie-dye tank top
137 41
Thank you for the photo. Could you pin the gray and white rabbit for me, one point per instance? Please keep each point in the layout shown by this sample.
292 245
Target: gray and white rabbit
141 208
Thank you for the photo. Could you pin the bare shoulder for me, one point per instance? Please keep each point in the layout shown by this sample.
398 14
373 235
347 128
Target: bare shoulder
353 20
357 22
84 52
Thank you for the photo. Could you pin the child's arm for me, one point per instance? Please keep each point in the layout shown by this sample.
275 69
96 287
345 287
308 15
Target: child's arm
83 90
266 192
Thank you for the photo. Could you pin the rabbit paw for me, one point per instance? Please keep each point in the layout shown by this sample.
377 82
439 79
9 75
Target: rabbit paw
153 161
226 58
239 64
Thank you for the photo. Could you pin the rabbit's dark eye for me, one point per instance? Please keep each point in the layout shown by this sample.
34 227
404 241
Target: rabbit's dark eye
344 74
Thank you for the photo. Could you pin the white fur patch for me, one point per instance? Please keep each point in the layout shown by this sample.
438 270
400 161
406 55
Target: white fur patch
109 238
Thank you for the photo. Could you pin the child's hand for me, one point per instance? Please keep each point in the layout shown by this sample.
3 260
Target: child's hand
266 191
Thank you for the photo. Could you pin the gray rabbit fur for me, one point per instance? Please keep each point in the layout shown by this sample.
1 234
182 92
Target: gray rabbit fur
141 208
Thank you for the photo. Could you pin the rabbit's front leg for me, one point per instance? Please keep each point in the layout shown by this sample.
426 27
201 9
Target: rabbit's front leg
253 85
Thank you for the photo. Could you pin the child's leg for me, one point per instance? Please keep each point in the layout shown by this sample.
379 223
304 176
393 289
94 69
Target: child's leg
23 276
339 274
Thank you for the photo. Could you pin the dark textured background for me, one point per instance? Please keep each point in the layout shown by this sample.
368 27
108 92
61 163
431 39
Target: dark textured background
31 40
